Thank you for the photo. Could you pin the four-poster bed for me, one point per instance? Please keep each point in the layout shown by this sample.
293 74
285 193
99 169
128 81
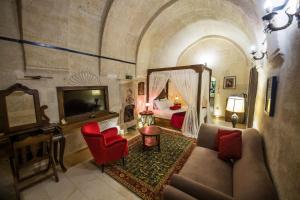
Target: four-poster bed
193 84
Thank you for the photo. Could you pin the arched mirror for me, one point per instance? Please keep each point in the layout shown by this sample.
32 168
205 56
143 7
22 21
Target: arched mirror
20 108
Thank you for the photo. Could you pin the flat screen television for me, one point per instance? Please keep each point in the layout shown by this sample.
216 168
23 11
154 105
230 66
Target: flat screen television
76 103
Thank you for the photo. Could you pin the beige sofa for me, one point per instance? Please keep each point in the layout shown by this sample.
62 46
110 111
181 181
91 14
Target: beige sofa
204 176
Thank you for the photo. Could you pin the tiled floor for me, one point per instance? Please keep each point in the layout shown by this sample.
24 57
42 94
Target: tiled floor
84 181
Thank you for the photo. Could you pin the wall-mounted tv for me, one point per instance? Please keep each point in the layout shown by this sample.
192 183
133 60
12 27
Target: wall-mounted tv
76 103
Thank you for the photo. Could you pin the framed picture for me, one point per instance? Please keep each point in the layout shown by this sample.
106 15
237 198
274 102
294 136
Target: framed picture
271 95
229 82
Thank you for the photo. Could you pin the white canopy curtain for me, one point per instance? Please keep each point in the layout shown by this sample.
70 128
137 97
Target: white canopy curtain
157 82
186 83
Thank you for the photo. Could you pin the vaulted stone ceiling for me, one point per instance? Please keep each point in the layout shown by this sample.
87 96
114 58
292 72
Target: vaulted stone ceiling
124 25
154 33
151 33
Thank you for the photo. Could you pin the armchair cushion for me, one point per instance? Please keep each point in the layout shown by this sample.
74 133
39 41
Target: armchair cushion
110 132
105 146
113 139
91 129
205 167
197 190
172 193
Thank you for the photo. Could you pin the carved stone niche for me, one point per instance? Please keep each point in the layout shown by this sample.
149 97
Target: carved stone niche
128 114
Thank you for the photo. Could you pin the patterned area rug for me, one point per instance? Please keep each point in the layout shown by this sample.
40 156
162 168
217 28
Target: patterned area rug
147 172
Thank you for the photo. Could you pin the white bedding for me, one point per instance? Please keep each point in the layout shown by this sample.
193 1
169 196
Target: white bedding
167 113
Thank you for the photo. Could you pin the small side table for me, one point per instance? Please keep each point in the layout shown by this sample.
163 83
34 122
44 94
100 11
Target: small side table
147 117
150 137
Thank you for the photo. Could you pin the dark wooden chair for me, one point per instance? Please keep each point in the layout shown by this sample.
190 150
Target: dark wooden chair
30 152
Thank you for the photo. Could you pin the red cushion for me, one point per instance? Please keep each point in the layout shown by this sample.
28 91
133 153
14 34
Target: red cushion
222 132
177 120
230 146
175 107
113 139
91 128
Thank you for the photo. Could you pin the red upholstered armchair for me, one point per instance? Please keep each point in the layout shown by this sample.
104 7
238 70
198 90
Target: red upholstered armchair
105 146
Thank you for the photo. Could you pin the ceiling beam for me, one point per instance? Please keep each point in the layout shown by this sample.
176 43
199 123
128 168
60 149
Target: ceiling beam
106 10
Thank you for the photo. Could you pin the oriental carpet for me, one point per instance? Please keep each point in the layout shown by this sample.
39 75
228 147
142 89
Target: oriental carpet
145 173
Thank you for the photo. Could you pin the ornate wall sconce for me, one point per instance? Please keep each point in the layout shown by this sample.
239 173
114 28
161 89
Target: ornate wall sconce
254 52
271 13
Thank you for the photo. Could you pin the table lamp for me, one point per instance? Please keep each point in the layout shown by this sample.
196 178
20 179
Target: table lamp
96 93
176 100
235 105
147 106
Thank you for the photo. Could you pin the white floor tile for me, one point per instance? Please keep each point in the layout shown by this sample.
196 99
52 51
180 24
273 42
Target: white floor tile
81 182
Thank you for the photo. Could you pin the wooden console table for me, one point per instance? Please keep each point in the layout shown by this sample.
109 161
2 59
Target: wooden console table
58 139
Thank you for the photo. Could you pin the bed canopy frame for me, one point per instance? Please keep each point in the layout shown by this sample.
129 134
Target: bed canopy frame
199 69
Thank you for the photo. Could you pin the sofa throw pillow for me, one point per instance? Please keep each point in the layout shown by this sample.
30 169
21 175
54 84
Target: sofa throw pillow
222 132
230 146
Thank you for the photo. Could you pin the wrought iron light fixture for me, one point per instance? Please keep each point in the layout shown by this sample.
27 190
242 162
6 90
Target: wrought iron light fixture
272 12
254 51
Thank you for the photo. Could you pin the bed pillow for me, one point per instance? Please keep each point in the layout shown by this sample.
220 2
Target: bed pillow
162 105
166 101
154 105
175 107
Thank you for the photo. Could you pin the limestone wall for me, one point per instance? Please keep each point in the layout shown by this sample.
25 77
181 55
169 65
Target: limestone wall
281 132
68 24
225 59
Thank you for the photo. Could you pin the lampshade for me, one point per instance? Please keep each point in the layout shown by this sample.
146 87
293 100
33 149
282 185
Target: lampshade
236 104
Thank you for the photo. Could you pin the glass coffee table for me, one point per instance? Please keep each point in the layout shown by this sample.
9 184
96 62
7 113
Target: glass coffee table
150 137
